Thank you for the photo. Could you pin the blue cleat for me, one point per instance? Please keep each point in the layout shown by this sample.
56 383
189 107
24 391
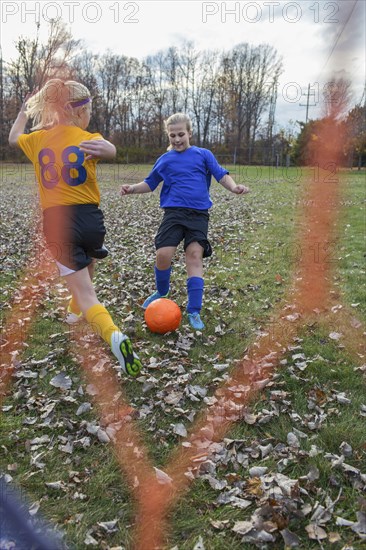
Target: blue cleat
195 321
155 296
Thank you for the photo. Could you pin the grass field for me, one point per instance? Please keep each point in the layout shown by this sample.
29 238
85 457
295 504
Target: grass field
306 427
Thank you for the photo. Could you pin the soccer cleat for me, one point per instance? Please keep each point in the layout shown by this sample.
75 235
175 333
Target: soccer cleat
155 296
121 347
195 321
73 318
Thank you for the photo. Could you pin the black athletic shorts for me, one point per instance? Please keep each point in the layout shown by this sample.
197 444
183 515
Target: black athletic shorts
74 234
186 224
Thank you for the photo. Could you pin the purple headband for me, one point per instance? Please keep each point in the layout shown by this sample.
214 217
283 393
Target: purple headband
79 103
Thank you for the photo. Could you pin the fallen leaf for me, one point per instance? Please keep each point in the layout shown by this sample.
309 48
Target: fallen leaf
62 381
162 477
290 539
315 532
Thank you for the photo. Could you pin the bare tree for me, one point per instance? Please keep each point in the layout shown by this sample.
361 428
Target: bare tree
187 63
173 77
114 78
204 88
355 130
3 127
219 126
38 62
57 54
251 74
159 91
226 94
336 97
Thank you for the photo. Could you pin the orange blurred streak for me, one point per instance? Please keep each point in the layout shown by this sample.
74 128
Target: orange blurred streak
117 416
321 208
155 495
310 292
39 271
246 381
114 410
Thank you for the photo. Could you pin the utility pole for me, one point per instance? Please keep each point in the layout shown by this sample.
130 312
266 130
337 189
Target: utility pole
271 121
308 95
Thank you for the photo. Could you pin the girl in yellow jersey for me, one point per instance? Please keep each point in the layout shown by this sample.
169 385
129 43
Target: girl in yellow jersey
64 156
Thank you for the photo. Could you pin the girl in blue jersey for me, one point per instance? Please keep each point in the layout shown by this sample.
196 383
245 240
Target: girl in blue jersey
185 171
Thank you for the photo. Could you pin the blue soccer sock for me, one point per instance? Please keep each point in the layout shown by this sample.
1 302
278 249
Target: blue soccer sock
162 278
195 294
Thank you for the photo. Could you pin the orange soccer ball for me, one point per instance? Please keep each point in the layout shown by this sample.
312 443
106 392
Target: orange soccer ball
163 315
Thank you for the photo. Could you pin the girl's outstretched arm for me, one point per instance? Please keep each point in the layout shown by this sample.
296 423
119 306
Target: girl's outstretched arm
137 188
229 184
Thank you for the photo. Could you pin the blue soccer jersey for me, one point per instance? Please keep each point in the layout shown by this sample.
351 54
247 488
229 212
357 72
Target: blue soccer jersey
186 178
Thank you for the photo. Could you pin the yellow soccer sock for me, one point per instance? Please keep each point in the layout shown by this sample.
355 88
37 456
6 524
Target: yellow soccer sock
101 322
73 306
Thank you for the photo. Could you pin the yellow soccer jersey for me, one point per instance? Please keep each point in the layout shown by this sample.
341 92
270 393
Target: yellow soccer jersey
63 175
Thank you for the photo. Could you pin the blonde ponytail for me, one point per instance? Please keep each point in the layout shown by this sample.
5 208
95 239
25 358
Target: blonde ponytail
53 103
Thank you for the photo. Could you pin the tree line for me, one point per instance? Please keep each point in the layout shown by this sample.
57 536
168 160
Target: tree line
230 96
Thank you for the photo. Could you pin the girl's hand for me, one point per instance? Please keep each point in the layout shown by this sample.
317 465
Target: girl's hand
241 189
97 149
20 122
126 190
27 97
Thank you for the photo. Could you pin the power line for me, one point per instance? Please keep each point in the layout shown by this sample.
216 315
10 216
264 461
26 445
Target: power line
337 39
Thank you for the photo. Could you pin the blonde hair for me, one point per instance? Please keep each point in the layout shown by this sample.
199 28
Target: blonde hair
178 118
54 103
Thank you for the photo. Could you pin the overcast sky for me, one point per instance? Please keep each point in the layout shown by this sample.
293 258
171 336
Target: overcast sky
313 37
